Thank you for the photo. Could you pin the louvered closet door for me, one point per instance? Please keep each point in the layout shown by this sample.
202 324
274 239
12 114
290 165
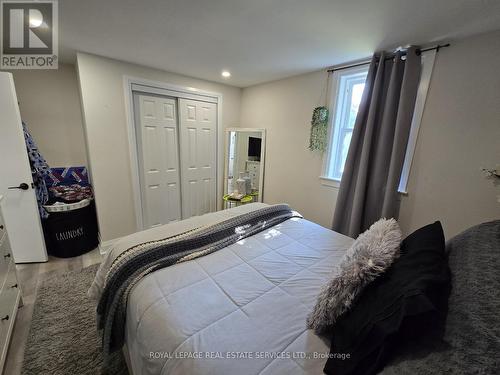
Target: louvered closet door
198 121
159 160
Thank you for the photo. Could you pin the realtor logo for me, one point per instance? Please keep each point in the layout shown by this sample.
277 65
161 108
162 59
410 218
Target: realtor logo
29 35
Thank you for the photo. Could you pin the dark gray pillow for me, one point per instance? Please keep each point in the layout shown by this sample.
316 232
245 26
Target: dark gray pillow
404 305
368 257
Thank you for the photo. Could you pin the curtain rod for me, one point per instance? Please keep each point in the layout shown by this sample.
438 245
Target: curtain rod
418 51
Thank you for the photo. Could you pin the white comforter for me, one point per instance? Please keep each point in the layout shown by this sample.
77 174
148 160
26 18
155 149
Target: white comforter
241 310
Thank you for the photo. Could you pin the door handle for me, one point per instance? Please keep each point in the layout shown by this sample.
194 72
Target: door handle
6 317
22 186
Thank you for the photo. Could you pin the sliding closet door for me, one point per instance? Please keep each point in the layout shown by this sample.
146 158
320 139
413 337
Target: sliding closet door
198 124
158 148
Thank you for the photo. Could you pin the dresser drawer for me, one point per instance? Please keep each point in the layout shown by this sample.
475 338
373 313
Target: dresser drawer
4 265
9 299
11 279
2 226
5 250
5 257
5 325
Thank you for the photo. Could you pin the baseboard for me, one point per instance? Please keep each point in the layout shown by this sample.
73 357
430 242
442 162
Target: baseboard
104 246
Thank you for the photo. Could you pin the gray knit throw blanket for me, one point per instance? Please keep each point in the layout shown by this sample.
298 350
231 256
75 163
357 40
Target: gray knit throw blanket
137 262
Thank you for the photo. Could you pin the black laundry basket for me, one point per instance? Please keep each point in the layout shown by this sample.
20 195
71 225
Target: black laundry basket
71 233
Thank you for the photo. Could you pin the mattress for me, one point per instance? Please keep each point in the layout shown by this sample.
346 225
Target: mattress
239 310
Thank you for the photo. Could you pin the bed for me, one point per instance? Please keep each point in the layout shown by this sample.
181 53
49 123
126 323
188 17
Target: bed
241 309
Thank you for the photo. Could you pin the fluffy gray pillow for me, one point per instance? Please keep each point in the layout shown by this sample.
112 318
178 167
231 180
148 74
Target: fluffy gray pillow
368 257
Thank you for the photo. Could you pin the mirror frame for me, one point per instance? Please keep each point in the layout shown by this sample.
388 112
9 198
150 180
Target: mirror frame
262 156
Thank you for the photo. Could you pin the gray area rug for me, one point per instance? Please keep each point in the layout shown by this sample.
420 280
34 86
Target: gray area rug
63 337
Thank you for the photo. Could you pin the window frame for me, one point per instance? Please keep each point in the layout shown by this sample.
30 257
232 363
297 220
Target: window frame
339 82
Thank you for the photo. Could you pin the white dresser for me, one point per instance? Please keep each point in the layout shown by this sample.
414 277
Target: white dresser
10 293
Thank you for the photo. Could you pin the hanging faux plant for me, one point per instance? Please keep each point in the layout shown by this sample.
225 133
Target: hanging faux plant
319 129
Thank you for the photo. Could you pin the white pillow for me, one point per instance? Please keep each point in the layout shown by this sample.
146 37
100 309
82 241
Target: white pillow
368 257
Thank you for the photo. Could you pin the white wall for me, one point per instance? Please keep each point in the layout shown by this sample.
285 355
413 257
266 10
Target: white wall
284 108
103 104
49 102
460 132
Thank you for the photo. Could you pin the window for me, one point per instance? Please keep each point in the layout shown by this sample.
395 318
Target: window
347 89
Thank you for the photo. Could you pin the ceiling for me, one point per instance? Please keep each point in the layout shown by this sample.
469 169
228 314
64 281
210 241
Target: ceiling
261 40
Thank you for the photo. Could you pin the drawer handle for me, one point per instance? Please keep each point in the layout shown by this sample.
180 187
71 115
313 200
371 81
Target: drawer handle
6 317
6 256
14 286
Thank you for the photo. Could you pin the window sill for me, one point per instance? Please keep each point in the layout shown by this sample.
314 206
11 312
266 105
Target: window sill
331 182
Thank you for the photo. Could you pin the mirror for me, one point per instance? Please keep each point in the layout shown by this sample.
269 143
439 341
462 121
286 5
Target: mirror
244 166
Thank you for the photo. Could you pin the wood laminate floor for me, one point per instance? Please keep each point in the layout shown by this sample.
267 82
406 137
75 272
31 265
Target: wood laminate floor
29 277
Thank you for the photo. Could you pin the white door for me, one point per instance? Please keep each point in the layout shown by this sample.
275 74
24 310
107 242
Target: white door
158 160
198 124
19 206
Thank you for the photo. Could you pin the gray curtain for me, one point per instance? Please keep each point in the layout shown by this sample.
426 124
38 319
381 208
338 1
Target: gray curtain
368 189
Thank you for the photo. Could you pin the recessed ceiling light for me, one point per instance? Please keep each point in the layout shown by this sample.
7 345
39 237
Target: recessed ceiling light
226 74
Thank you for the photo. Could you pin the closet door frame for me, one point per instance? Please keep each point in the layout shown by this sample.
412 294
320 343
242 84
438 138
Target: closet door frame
133 85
